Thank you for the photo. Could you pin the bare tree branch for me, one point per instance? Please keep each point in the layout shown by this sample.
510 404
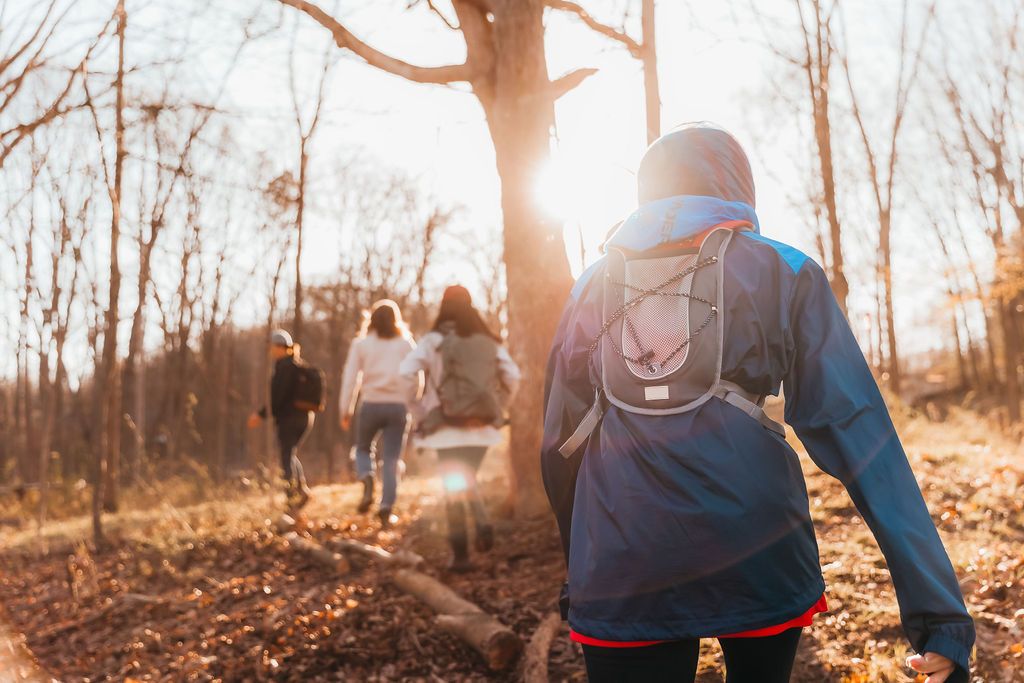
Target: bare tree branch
619 35
344 38
564 84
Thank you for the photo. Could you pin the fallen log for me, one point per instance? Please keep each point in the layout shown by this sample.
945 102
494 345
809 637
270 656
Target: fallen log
399 558
497 643
535 659
318 553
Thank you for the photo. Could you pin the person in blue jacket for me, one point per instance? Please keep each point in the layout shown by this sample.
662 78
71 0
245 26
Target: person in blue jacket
691 521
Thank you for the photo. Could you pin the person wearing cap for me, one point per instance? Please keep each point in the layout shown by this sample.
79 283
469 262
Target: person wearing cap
292 423
461 444
693 521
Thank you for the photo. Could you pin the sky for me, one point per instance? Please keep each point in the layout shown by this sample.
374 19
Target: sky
715 63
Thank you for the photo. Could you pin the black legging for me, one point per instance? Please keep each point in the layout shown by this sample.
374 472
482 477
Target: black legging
290 433
747 660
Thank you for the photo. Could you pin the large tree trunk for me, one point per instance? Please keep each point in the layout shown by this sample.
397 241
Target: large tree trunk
520 120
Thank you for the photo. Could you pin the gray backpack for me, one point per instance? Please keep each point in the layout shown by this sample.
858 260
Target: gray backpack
660 347
469 386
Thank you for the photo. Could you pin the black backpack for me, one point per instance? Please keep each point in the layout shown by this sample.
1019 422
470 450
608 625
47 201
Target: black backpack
310 388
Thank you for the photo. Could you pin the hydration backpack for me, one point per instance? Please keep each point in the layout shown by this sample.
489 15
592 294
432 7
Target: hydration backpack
659 350
310 388
469 383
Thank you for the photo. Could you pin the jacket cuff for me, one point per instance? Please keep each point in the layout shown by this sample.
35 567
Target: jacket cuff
958 652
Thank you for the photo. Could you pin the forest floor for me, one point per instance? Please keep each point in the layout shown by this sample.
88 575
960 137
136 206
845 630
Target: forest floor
211 592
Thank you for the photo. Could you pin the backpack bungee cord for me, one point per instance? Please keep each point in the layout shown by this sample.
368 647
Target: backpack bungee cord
645 358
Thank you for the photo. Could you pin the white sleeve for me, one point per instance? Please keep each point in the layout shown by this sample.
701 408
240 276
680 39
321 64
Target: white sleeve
350 379
414 368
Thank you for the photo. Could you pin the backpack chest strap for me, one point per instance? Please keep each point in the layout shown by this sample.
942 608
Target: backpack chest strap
751 404
731 393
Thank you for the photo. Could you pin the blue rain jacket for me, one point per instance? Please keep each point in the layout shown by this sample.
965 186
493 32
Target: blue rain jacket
697 524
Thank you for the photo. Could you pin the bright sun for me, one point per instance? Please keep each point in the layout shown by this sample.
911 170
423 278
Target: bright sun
588 195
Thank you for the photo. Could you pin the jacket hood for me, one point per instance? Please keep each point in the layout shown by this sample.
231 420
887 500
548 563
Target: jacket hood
695 159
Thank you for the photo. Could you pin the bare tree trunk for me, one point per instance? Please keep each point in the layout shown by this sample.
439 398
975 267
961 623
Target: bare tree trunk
299 212
961 362
109 395
1011 389
879 298
885 232
26 463
976 380
649 58
817 64
134 365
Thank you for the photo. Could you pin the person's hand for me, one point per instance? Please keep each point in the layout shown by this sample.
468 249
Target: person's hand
254 421
937 667
346 423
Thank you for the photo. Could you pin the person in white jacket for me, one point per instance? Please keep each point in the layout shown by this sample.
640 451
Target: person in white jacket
372 373
469 378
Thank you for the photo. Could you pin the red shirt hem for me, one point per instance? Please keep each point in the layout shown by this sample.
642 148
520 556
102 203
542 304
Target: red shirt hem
804 619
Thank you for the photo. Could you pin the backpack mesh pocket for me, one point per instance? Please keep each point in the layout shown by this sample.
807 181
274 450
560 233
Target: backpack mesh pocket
657 325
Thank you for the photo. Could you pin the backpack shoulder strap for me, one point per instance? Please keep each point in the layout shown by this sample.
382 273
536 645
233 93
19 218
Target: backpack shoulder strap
585 428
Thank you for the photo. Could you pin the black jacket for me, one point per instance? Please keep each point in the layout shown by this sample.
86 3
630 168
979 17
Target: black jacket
282 390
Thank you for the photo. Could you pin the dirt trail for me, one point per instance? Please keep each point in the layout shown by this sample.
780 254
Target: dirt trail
209 593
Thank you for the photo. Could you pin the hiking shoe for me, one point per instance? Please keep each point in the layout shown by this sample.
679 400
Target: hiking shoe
385 518
484 540
367 500
297 498
459 564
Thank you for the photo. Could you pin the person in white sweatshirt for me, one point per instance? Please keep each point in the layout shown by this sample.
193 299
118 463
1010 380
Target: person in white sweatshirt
372 374
469 380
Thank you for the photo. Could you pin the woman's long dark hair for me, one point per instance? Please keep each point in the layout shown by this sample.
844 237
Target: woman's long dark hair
457 308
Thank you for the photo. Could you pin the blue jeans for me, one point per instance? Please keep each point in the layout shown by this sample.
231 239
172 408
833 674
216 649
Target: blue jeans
388 420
